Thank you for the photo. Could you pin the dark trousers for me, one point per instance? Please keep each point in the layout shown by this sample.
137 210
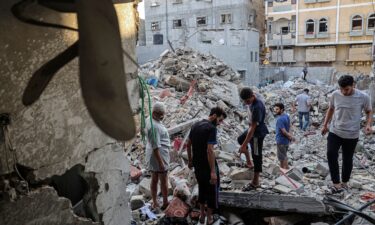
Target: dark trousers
208 193
348 147
256 144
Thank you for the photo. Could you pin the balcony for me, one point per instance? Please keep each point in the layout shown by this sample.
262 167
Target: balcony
288 39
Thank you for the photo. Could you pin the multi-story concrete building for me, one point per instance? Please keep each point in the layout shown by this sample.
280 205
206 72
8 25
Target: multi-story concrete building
335 33
224 28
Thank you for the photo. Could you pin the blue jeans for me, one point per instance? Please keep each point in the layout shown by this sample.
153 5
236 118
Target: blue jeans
304 125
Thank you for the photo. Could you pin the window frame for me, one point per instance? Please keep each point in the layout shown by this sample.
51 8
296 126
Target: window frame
356 32
226 16
174 24
205 19
308 22
370 31
158 26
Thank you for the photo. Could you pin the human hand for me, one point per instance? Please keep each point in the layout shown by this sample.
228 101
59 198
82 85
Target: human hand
213 179
243 149
368 129
324 130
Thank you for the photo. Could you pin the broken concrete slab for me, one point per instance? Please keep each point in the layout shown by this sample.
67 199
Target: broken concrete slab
241 174
282 189
179 83
182 126
288 182
44 207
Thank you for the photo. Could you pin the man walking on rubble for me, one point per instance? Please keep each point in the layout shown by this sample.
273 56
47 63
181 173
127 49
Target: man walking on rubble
254 135
303 106
157 154
283 136
345 110
200 149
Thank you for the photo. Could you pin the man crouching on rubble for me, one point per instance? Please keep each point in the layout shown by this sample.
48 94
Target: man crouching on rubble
157 154
255 134
345 110
200 149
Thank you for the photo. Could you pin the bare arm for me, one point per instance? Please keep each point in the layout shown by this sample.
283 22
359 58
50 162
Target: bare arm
368 129
250 134
211 161
286 134
327 120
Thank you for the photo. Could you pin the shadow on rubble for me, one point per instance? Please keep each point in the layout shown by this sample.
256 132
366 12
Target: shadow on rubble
79 187
262 217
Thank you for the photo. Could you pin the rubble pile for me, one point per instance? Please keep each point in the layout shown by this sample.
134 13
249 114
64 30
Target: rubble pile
308 174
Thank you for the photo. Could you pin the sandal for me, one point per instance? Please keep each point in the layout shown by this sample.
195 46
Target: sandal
250 187
164 207
345 187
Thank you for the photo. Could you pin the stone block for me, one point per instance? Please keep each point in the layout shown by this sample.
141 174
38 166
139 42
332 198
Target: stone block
179 83
228 157
322 169
136 202
241 174
144 187
295 174
224 169
290 183
273 170
229 147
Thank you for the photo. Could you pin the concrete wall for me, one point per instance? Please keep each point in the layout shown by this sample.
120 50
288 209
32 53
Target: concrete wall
56 133
321 74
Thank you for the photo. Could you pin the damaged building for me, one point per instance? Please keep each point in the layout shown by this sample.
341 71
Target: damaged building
229 30
321 33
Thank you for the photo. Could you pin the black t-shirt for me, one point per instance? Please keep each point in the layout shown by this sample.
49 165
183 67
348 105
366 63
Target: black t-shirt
201 134
258 116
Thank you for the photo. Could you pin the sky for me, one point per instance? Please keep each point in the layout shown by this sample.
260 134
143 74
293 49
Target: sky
141 10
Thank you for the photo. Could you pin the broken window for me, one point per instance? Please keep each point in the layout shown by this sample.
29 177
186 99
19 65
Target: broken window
251 56
284 30
323 25
155 26
371 22
357 23
310 27
226 18
251 20
207 41
177 23
201 21
158 39
242 74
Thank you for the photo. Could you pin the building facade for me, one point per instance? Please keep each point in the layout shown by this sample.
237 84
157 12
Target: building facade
228 29
336 33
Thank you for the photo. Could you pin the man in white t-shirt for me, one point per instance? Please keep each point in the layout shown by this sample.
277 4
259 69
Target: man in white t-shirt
345 110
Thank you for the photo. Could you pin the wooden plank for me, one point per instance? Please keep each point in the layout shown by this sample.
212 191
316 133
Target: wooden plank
273 202
182 126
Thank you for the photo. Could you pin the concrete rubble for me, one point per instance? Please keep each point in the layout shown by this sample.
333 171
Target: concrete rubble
219 85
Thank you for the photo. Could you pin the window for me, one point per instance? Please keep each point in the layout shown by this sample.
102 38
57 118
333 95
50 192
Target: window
323 25
226 18
357 23
251 56
177 23
284 30
207 41
371 22
201 21
176 1
155 26
294 2
310 27
242 74
158 39
256 56
251 20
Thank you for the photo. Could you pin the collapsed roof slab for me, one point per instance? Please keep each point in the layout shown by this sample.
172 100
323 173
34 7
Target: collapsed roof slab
272 202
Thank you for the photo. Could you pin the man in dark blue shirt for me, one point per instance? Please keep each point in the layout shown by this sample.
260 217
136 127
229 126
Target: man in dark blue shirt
254 135
283 136
201 156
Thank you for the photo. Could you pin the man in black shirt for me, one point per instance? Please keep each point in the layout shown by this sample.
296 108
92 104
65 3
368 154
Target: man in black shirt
202 139
255 134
